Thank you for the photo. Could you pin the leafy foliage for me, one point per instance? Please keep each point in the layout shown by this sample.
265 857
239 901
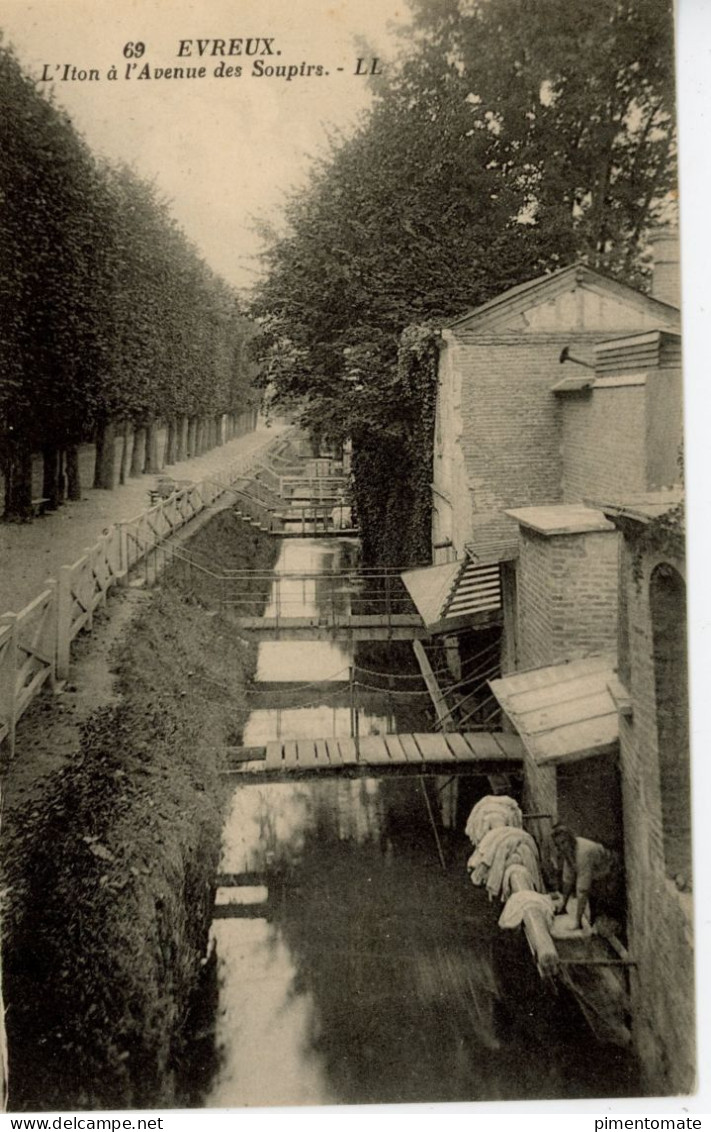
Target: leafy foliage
110 313
512 138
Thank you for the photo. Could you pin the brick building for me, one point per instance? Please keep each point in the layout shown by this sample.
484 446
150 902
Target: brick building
564 388
650 692
504 435
558 403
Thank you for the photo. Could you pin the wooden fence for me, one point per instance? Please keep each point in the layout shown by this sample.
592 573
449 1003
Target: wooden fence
35 644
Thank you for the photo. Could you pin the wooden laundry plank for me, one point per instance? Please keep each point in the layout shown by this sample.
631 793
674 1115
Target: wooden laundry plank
373 751
395 749
482 745
409 746
291 754
239 880
275 756
510 744
306 753
241 911
322 756
434 747
348 751
334 754
459 747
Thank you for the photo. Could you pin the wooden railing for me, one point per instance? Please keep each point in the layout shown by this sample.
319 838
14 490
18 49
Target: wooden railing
35 644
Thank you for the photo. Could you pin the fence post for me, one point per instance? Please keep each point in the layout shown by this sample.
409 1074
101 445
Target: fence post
51 584
89 552
9 680
64 621
122 579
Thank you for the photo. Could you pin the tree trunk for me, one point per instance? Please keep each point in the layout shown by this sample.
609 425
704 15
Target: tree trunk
170 444
151 466
125 437
219 434
182 445
192 438
73 477
138 455
61 479
18 481
50 476
105 466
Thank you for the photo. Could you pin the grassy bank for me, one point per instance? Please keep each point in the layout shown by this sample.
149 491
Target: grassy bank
110 872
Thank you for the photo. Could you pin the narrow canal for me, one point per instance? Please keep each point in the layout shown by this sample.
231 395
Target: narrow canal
350 965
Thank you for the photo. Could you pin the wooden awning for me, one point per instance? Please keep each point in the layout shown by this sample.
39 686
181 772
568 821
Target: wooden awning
562 713
456 595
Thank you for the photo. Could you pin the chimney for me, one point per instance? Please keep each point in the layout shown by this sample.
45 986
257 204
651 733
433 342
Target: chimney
665 277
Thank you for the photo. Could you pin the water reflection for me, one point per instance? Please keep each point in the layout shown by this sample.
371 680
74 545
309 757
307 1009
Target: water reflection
357 952
367 972
304 660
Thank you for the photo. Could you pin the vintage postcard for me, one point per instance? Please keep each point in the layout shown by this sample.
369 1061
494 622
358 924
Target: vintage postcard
344 692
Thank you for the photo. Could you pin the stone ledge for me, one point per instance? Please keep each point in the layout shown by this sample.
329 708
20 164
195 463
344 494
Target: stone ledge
561 519
620 696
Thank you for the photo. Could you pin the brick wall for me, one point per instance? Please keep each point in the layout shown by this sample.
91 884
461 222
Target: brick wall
567 596
510 428
660 916
603 443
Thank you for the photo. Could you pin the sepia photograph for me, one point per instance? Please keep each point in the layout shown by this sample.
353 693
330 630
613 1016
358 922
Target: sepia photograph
344 680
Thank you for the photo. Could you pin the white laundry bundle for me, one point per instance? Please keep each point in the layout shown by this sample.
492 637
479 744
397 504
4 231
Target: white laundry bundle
517 878
522 902
492 812
499 848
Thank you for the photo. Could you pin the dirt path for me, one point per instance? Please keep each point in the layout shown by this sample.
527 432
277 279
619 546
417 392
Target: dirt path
32 552
49 733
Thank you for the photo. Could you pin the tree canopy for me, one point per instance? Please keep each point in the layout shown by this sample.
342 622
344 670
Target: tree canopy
511 138
109 313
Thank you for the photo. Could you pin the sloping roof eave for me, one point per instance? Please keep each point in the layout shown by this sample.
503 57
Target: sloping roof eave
554 282
564 712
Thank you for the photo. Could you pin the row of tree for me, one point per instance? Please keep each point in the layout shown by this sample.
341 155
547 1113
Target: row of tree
512 137
111 319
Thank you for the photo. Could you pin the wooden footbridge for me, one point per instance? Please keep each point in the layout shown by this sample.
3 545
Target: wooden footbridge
491 754
355 604
296 505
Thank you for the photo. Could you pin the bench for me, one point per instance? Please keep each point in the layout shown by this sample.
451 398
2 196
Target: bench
39 506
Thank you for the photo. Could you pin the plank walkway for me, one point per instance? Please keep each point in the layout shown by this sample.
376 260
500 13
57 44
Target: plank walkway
353 627
421 753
